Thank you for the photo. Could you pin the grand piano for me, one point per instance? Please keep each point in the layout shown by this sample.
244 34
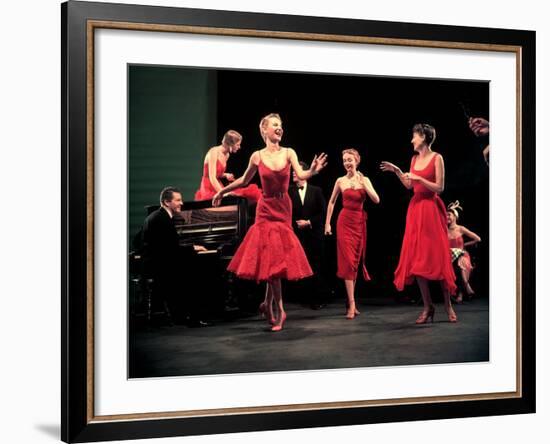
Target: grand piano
220 230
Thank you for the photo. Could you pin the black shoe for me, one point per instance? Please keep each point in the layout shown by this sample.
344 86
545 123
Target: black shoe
197 323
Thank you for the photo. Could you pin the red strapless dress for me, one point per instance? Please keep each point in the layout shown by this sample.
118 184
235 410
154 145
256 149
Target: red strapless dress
270 248
351 235
206 191
425 248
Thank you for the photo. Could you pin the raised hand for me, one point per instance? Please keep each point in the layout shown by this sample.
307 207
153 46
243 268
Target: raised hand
388 166
318 163
479 126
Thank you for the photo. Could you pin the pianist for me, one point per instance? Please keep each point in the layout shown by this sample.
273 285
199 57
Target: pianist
167 262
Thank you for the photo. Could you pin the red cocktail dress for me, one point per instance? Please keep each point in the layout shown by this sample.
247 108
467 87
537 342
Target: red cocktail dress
425 248
206 191
270 248
351 235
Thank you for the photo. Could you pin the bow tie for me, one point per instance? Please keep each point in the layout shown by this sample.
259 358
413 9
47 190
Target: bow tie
300 188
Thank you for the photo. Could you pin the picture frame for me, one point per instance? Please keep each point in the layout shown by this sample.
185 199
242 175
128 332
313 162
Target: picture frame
80 20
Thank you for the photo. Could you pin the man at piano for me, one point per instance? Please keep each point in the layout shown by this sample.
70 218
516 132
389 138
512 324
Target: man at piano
167 262
308 215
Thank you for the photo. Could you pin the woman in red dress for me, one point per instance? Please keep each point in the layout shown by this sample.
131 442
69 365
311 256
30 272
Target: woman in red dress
425 249
215 163
459 255
270 251
351 227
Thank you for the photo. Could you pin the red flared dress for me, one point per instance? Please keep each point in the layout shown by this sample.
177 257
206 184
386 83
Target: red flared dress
425 248
270 249
351 235
206 191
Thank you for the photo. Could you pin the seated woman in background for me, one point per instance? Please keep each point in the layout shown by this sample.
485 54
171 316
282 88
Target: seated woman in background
459 255
215 164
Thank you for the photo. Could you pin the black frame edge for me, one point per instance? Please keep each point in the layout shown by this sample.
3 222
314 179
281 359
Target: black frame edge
528 209
73 178
64 147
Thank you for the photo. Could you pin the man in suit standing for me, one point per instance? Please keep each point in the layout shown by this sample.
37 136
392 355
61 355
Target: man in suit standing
166 261
308 216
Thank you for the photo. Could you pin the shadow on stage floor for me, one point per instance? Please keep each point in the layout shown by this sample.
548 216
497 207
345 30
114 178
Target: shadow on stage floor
383 335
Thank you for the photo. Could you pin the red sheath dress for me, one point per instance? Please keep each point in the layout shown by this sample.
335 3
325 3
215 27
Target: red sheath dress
425 248
351 235
270 248
206 191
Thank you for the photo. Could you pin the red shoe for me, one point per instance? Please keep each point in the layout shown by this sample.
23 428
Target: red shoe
350 314
279 326
452 316
425 315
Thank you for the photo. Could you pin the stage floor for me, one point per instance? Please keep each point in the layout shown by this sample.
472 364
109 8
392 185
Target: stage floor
383 335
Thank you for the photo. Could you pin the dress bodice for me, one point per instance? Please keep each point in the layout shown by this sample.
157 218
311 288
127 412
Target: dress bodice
274 182
352 199
457 242
428 173
220 169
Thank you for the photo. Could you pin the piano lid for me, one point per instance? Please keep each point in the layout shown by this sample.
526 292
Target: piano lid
201 223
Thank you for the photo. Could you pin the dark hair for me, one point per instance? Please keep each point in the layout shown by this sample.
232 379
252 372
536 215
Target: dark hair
425 130
304 165
167 194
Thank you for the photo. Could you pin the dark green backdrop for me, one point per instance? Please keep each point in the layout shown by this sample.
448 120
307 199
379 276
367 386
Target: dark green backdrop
172 122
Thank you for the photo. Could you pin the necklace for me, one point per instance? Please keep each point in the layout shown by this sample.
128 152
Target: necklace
353 183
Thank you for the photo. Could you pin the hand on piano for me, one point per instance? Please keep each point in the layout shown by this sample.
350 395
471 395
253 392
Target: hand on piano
216 200
203 250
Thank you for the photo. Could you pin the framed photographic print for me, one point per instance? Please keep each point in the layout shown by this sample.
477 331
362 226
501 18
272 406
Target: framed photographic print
258 206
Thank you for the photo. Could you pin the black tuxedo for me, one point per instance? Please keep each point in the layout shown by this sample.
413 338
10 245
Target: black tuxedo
311 238
169 264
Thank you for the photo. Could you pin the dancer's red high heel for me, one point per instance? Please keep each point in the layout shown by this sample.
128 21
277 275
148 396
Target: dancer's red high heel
352 312
279 326
452 316
425 315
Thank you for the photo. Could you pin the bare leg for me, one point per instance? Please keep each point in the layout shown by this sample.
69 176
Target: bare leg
466 278
425 291
447 301
280 316
429 309
266 307
350 288
356 311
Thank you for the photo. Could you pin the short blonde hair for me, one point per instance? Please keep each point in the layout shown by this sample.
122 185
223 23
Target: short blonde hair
264 120
354 153
231 137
